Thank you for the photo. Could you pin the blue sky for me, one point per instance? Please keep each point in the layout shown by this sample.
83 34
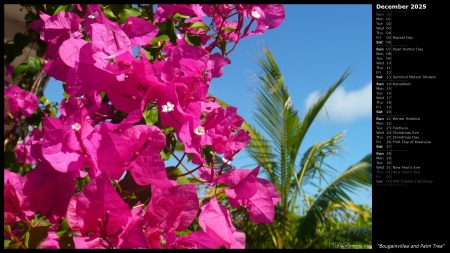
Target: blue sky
313 47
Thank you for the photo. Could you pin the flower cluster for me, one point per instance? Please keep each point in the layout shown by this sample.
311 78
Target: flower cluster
138 92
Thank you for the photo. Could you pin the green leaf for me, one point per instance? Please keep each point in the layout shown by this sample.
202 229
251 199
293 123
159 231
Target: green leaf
125 13
171 143
109 14
63 228
151 116
6 243
34 64
180 18
229 29
117 8
193 39
168 28
198 25
10 161
53 112
178 15
81 182
66 95
172 173
13 246
36 236
30 17
159 38
61 8
223 45
20 69
165 155
208 154
11 51
42 48
35 119
65 235
21 40
44 100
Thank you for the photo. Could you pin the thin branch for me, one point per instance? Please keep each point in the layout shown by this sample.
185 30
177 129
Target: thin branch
184 166
6 228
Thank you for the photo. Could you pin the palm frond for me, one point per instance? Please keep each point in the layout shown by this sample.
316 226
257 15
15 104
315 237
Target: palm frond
278 118
358 175
314 110
313 159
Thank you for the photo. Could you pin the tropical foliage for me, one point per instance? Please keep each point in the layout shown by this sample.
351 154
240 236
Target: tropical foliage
303 219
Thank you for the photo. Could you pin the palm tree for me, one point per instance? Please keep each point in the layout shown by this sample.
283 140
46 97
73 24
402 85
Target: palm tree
301 220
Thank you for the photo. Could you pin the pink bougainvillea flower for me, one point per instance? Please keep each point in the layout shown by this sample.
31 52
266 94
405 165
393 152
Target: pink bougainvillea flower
134 148
230 30
38 24
169 210
181 115
62 145
267 16
217 10
108 41
13 197
163 11
216 63
94 14
242 182
98 214
173 209
185 61
83 142
209 104
59 70
216 131
125 79
260 198
22 154
59 28
19 102
194 139
138 87
218 126
236 143
195 240
33 144
144 160
133 236
132 118
78 7
42 181
69 51
215 221
261 205
207 174
139 31
89 76
92 101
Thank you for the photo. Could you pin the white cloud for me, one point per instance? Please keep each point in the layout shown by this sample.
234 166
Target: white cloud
345 106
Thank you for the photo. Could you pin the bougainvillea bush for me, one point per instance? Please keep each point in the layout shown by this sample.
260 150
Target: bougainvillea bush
107 172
